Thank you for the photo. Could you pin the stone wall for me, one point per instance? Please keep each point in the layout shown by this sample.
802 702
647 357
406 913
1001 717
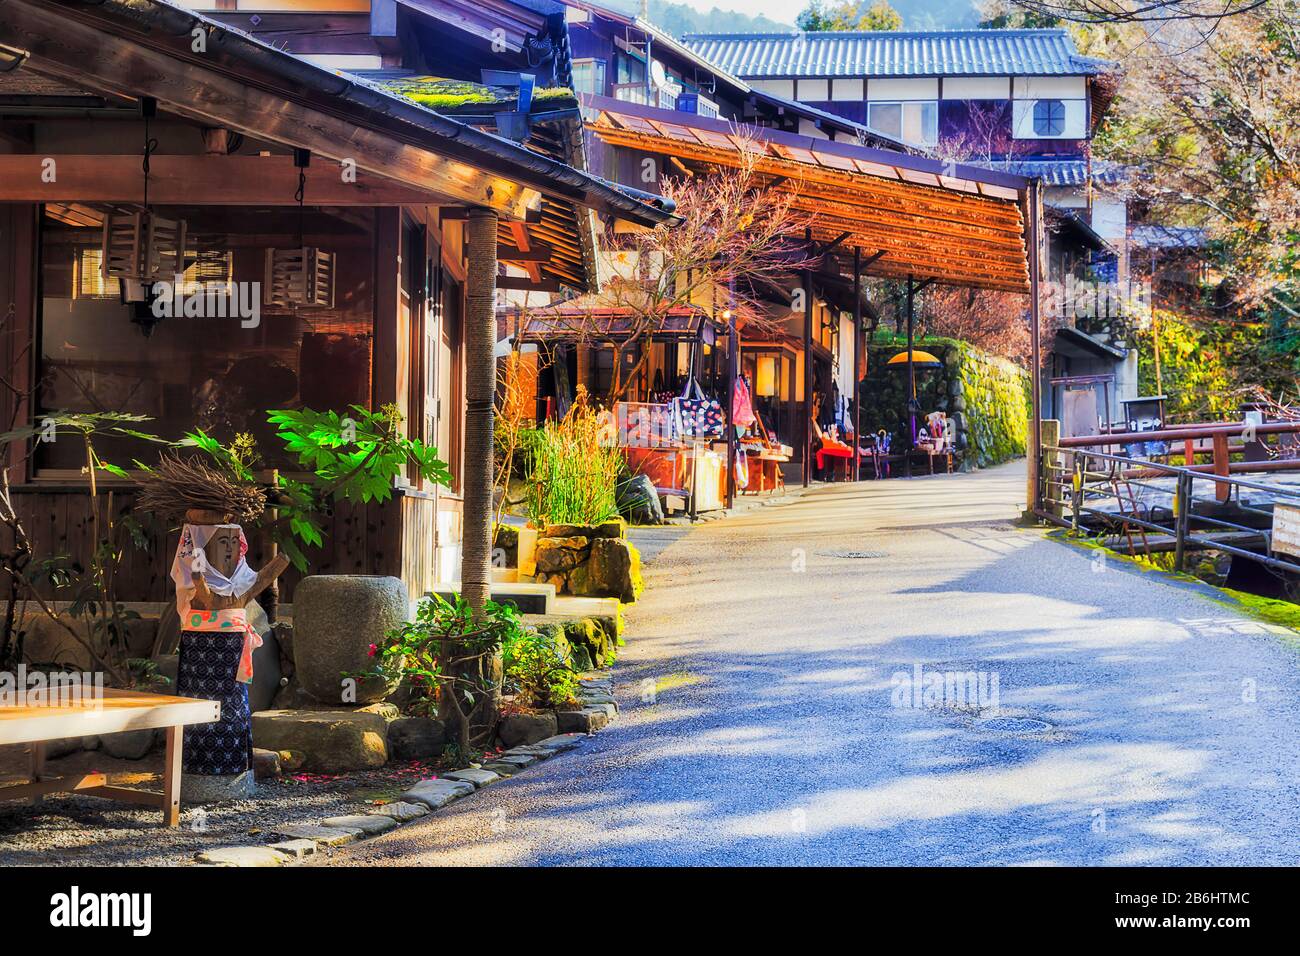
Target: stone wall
987 398
589 561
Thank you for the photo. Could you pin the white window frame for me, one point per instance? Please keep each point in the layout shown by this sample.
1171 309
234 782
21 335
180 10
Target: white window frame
902 119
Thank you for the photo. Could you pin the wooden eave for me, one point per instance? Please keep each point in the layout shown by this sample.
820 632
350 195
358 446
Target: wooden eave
953 229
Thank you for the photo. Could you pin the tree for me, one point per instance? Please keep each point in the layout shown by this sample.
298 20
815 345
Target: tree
821 15
1206 118
1207 12
736 235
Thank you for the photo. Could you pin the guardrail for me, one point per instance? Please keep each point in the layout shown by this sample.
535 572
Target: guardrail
1158 507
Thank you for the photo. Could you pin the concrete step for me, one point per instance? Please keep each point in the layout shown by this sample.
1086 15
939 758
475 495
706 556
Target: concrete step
566 607
529 598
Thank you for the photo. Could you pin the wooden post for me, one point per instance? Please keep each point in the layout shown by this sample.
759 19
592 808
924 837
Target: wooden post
1182 511
1052 466
1034 214
171 799
37 767
807 367
733 362
911 384
1222 490
857 362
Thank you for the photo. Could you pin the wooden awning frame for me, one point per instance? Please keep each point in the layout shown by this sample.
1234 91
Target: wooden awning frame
957 225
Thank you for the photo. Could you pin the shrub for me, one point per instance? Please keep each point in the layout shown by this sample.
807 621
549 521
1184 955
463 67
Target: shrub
537 667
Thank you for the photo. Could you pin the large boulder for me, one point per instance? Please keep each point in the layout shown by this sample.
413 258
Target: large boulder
336 617
416 738
330 741
560 553
519 729
613 571
638 499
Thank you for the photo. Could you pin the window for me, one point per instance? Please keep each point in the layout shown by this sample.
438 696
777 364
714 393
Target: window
1049 118
589 76
913 122
220 372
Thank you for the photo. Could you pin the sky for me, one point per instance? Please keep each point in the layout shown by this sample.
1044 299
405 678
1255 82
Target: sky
782 10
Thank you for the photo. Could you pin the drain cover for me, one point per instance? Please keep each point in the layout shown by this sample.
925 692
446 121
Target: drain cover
853 554
1015 725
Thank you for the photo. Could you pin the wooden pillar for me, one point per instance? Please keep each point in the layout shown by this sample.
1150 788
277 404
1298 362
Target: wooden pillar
911 381
857 362
733 367
1034 215
807 367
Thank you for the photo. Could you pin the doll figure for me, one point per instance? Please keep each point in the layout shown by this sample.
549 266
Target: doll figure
213 587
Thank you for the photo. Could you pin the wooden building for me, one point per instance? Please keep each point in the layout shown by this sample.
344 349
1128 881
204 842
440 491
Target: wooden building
259 164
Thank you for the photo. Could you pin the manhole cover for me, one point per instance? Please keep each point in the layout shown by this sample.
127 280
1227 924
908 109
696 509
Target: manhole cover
852 554
1014 725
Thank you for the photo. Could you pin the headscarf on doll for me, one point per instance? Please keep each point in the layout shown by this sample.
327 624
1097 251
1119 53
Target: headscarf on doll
195 537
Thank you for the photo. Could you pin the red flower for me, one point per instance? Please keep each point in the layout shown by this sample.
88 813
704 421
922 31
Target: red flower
374 648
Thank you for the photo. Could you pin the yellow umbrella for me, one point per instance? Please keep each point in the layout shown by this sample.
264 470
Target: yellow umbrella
919 358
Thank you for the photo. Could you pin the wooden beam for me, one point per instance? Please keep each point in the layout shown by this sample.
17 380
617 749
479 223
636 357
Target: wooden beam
533 256
527 284
215 180
519 232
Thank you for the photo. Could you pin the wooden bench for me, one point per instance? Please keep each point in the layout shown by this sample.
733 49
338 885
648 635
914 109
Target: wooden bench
38 723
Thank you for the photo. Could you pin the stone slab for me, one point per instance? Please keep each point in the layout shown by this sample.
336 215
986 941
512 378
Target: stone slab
401 811
367 823
480 778
295 849
560 742
329 836
240 856
436 794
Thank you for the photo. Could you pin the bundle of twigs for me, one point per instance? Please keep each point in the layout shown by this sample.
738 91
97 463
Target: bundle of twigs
177 485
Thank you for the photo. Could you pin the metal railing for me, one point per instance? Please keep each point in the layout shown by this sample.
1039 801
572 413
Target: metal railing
1152 506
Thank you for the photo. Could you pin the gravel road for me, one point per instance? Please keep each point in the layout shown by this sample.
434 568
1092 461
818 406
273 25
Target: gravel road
1124 718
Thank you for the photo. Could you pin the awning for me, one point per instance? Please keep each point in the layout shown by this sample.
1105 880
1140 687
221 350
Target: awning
560 325
959 225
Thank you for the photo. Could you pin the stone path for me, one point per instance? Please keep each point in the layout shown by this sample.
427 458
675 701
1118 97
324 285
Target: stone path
768 714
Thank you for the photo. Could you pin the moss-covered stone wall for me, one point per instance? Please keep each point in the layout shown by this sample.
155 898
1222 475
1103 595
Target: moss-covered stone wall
986 397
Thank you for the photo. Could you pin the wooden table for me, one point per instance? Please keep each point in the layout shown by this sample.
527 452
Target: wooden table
115 711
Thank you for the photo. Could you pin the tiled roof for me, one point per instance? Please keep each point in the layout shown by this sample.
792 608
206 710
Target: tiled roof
1060 172
887 53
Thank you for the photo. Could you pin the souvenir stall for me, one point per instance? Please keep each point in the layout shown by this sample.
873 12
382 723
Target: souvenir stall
671 417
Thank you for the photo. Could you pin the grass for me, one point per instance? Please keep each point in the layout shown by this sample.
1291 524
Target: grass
573 469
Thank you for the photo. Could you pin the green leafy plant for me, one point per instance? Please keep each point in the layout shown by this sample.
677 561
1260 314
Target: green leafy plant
353 457
442 655
537 668
90 590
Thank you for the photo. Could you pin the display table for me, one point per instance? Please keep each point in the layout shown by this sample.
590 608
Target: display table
116 711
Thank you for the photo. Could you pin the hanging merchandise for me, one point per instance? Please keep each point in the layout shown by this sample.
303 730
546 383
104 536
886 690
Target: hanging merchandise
742 468
742 406
695 416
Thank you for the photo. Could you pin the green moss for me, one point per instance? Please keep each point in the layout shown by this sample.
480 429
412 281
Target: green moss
986 396
448 96
1270 610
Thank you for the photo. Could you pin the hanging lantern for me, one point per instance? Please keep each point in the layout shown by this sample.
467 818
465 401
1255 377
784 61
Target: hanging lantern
302 277
140 248
765 376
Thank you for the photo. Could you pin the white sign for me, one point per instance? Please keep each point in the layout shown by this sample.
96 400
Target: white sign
1286 529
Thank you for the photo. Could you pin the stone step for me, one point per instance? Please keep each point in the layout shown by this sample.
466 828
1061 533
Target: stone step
566 607
529 598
